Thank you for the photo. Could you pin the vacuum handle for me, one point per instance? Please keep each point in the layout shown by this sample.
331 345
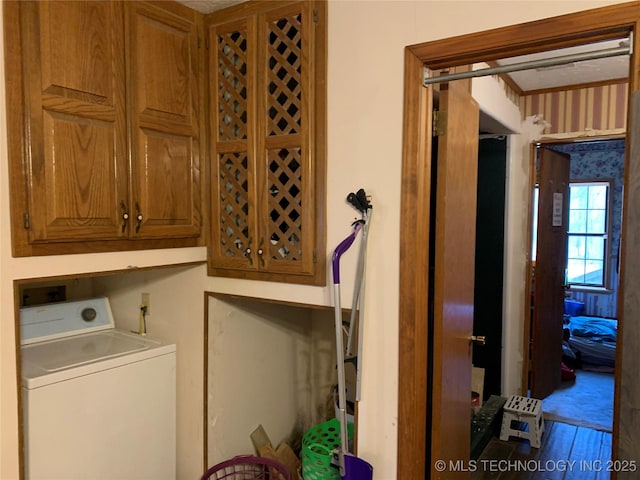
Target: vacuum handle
340 249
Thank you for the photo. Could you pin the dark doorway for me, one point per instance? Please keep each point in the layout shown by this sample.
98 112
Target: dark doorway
487 317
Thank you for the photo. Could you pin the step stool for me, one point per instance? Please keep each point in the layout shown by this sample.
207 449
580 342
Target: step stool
526 410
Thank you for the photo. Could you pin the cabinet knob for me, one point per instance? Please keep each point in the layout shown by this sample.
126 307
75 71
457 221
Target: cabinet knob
125 215
247 251
260 252
138 218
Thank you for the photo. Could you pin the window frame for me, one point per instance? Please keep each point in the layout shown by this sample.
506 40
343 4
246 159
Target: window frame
606 281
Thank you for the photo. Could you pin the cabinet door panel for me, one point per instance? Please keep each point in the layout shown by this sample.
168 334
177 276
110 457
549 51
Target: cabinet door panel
163 61
165 201
233 243
70 196
160 90
79 68
288 249
74 76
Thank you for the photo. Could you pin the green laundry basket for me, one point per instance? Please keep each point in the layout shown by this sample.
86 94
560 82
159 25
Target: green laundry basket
318 444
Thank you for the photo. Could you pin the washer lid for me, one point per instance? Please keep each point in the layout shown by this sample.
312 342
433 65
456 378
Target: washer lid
63 319
62 359
81 349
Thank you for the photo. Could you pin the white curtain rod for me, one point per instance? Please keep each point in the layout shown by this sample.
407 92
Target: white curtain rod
530 65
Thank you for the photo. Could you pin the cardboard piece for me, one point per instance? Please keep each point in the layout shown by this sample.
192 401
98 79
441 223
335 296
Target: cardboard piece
283 453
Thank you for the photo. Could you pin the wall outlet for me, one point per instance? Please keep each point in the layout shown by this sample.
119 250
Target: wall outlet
146 301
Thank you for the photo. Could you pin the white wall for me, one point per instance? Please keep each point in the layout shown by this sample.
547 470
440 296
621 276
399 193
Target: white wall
366 42
259 374
271 365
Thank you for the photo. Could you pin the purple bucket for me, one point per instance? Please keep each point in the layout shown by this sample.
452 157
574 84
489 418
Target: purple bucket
356 468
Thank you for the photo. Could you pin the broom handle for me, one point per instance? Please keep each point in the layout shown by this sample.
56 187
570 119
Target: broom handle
342 394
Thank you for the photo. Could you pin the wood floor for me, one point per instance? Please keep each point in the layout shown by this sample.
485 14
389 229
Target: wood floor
567 452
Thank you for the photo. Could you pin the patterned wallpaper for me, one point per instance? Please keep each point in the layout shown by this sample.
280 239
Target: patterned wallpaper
590 161
579 110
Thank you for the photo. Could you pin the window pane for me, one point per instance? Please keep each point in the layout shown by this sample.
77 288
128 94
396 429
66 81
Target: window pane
596 221
598 196
576 246
575 271
594 272
578 221
587 240
595 248
578 195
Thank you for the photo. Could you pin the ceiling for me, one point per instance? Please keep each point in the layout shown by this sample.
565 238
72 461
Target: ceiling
601 70
208 6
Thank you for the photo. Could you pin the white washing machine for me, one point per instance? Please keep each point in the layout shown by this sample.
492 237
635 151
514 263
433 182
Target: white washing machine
98 403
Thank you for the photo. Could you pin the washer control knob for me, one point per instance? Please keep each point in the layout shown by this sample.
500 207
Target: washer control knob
88 314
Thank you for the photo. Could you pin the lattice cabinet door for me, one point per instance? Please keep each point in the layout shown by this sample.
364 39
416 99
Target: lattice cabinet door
268 120
232 75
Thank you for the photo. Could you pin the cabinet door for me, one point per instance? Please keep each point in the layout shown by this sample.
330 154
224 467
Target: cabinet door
267 93
74 102
232 64
163 86
285 172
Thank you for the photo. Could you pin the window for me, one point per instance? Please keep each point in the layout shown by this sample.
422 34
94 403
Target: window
588 240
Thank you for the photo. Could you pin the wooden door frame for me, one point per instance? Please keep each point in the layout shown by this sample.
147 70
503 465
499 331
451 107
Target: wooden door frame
562 31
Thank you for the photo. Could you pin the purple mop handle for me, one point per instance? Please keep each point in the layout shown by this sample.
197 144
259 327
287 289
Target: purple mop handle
340 249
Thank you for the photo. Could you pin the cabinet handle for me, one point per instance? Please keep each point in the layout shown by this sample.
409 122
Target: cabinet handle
260 252
125 215
247 252
138 217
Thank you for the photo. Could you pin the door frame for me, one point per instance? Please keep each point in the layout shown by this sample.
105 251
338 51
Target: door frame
531 37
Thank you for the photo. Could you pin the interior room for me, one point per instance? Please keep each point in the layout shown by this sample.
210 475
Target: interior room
590 315
253 331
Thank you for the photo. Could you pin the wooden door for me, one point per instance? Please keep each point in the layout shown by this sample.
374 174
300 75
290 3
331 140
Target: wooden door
76 155
455 222
164 68
549 274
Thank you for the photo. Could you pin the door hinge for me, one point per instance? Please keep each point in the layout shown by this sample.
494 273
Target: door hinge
315 256
315 15
439 123
206 43
26 222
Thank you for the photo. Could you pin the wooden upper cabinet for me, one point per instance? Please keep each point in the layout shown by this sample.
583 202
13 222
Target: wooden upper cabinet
104 117
267 117
163 87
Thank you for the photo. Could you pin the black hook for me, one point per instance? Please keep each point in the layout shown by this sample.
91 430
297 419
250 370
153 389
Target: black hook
359 201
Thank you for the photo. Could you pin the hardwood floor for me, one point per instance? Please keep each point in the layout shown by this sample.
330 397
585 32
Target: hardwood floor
567 452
